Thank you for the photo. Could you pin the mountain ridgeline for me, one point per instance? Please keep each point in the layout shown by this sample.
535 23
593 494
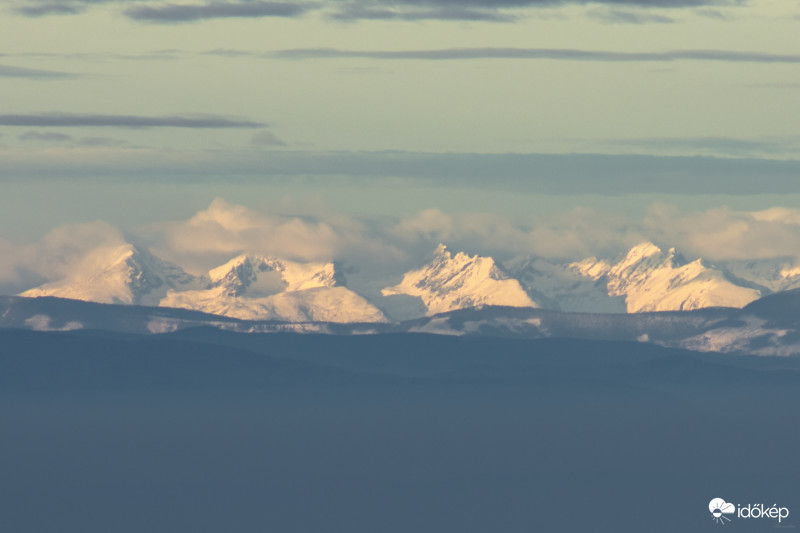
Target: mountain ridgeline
257 287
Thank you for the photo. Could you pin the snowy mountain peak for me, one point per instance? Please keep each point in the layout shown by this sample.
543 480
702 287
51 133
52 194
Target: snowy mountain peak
645 278
651 280
267 275
644 255
118 274
641 250
591 268
460 281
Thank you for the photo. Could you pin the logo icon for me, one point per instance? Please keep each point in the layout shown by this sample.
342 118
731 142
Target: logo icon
719 508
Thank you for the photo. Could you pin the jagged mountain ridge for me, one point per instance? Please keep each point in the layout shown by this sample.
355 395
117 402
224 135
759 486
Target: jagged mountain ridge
254 287
646 278
653 280
257 287
449 282
250 287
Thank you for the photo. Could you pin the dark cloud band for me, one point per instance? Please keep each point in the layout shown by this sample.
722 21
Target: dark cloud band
123 121
176 13
352 12
538 53
43 9
568 174
496 4
33 74
410 10
47 136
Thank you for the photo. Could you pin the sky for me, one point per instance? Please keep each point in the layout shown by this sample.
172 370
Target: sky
374 128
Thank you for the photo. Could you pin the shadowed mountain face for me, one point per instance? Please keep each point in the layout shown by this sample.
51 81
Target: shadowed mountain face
207 430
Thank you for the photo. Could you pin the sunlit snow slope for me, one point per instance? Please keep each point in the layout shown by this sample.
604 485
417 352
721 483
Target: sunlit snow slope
460 281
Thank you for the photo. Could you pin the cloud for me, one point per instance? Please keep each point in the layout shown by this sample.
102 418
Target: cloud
714 14
65 247
562 174
16 262
57 255
385 247
50 8
266 138
403 10
614 16
178 13
725 234
156 55
352 11
497 10
49 136
784 215
732 146
555 54
577 233
551 3
717 234
563 54
123 121
33 74
223 230
101 142
227 52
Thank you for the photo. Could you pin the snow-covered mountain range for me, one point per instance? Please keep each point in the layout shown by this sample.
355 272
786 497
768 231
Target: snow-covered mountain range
256 287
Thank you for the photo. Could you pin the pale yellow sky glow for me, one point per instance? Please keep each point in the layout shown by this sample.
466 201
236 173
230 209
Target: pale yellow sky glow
106 116
465 105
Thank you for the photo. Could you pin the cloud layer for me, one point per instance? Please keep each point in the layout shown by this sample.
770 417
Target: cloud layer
384 248
534 173
57 255
351 10
7 71
223 230
563 54
123 121
174 13
716 234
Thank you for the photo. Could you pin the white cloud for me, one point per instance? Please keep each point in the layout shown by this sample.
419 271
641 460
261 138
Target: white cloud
573 234
222 230
65 247
57 255
388 246
724 234
715 234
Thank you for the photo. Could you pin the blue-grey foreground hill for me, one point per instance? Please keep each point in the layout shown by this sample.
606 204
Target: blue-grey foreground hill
206 430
